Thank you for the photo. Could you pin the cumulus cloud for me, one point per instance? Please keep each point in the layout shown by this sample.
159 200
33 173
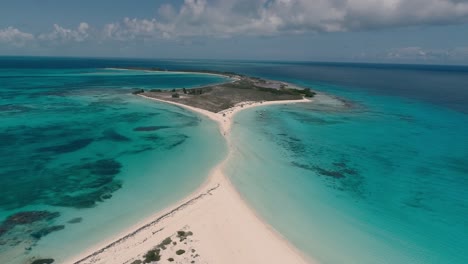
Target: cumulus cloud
61 34
14 36
130 29
224 18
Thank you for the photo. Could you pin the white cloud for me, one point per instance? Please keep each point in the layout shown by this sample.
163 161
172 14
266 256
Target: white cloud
14 36
224 18
130 29
419 53
61 34
408 53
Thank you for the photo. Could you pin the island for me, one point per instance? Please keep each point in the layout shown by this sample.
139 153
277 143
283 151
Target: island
213 224
219 97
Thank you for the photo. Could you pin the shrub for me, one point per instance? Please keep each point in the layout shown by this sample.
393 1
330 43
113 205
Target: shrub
180 252
138 91
175 95
152 255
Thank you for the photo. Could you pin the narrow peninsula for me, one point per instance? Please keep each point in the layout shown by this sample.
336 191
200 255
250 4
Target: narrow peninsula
213 224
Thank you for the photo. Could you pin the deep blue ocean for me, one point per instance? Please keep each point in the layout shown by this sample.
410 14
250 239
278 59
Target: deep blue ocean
375 170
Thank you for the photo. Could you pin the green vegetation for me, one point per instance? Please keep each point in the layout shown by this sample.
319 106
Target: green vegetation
218 97
180 252
182 235
152 255
155 90
308 93
196 91
250 84
170 259
166 242
137 262
138 91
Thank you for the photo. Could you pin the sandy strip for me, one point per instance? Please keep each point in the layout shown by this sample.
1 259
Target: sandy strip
225 229
174 72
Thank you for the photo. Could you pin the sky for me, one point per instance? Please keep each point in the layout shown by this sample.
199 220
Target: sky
389 31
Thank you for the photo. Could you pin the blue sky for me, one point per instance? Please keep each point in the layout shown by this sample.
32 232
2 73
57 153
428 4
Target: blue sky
396 31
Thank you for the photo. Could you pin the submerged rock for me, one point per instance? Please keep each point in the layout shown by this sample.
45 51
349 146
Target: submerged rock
150 128
90 198
138 91
75 220
114 136
26 218
29 217
46 231
104 167
68 147
43 261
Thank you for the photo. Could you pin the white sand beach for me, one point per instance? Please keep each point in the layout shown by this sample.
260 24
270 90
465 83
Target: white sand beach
225 229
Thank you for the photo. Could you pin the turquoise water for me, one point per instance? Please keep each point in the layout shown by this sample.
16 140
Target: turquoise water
374 179
93 159
379 178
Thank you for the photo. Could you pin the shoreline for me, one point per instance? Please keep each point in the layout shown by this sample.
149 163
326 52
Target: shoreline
227 229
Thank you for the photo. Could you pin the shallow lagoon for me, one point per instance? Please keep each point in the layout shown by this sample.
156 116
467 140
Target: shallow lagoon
373 180
77 144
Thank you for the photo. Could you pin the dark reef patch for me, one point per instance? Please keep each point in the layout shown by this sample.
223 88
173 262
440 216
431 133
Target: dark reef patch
150 128
88 199
26 218
457 164
152 137
140 150
292 144
324 172
174 141
330 173
104 167
75 220
29 217
15 108
47 230
68 147
79 186
310 119
43 261
88 184
340 177
135 117
112 135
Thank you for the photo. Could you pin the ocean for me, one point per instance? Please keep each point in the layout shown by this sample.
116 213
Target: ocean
373 171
